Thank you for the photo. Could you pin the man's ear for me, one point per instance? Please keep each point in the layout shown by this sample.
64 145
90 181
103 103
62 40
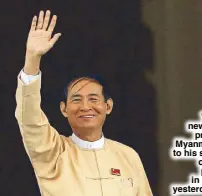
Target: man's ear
109 106
63 109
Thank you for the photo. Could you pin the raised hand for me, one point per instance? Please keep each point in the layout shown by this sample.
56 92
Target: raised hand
39 40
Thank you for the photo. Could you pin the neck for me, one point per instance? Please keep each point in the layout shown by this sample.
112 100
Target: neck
88 136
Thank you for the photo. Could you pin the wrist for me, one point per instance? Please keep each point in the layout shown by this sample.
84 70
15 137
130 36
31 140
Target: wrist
32 64
30 56
31 71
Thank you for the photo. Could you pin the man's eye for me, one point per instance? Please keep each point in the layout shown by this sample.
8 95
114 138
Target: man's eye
76 100
93 99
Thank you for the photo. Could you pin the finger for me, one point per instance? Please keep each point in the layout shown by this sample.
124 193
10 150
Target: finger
33 25
46 20
40 20
54 39
52 24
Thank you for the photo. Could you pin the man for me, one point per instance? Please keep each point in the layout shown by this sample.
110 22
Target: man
85 163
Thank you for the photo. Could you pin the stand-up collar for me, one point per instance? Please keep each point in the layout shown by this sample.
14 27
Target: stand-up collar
86 144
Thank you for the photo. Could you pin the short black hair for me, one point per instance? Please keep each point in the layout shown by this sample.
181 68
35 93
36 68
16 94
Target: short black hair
94 77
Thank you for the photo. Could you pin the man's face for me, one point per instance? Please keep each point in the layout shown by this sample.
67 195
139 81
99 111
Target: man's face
86 107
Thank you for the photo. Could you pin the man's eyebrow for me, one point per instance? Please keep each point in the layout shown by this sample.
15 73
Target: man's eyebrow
74 96
79 96
93 94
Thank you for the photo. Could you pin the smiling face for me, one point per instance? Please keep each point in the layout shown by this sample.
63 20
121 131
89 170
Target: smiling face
86 108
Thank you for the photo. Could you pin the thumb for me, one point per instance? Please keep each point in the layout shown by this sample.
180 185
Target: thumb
54 39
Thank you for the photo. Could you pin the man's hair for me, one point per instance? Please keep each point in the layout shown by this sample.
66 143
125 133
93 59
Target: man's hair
94 78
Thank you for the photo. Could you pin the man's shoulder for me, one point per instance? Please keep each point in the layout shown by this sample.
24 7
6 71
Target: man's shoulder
120 147
125 151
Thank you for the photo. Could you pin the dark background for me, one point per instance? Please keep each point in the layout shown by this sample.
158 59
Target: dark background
102 37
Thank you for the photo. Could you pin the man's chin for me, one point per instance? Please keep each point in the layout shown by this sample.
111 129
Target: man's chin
88 127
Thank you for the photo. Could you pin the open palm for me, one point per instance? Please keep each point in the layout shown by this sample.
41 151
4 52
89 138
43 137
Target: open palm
39 39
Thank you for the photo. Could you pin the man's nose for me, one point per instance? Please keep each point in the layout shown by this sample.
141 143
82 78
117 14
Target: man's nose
85 105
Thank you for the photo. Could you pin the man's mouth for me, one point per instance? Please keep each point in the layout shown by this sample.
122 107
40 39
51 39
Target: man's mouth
87 116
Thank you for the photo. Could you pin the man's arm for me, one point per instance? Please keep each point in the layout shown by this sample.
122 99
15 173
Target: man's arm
144 187
42 142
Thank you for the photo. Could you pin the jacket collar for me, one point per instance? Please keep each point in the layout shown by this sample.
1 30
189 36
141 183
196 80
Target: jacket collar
86 144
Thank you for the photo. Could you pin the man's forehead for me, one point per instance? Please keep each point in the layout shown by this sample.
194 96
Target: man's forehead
87 86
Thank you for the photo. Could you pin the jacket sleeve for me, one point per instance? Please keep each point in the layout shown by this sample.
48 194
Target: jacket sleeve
144 187
42 142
